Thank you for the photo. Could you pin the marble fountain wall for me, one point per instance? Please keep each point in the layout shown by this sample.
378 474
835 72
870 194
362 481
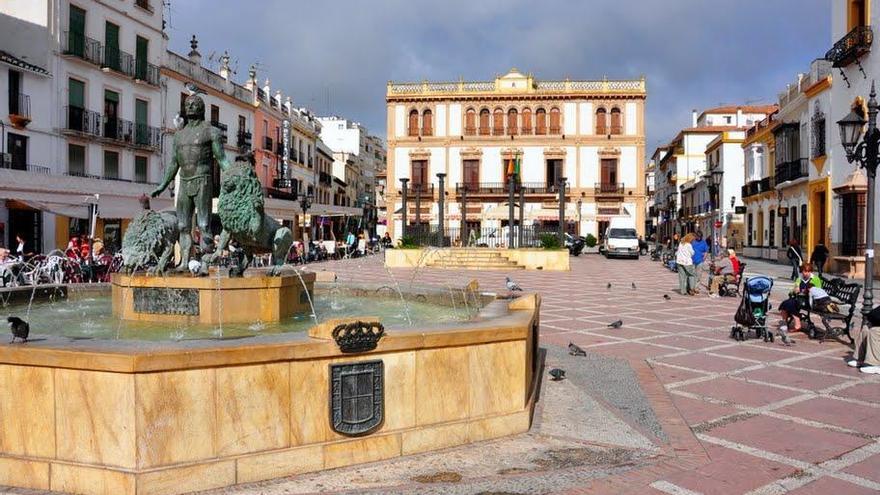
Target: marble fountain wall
175 419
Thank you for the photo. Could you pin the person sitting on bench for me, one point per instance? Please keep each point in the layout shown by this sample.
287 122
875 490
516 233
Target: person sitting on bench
867 348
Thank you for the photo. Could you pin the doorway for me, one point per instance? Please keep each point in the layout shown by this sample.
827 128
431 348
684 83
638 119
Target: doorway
29 225
17 148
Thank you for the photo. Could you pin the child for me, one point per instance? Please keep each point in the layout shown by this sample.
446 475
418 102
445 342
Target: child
789 310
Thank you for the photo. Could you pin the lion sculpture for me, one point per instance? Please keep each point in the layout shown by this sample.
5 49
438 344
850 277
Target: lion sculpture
240 208
150 238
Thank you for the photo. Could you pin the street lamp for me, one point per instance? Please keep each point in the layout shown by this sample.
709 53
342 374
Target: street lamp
865 154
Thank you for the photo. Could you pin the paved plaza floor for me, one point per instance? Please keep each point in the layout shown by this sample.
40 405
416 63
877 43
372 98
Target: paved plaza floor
665 404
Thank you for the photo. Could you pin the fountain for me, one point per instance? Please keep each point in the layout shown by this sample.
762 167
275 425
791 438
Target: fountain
129 389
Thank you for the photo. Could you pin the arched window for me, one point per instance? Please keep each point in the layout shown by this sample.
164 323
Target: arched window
540 121
470 122
601 121
512 124
498 122
615 121
555 127
413 122
484 122
427 123
526 121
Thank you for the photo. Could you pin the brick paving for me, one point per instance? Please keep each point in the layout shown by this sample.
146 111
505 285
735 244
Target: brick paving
762 418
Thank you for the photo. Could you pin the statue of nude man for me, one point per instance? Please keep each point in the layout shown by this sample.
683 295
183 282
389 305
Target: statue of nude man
196 147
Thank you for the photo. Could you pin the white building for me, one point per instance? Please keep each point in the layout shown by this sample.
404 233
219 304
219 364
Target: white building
350 141
94 125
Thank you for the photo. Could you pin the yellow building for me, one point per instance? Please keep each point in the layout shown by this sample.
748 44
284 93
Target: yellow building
758 193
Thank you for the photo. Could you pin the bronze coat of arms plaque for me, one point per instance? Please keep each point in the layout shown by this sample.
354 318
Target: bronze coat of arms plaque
357 397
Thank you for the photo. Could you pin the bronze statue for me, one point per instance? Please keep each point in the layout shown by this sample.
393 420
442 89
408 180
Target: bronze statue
195 149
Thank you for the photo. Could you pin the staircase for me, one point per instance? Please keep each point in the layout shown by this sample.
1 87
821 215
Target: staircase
473 259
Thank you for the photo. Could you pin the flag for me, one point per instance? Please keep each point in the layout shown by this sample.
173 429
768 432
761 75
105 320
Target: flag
516 167
510 169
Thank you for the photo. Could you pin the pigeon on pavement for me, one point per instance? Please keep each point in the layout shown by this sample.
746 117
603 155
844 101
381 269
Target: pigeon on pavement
575 350
557 374
616 324
666 296
609 285
512 286
634 286
19 328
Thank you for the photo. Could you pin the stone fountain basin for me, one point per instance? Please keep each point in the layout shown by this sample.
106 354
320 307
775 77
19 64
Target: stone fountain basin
145 418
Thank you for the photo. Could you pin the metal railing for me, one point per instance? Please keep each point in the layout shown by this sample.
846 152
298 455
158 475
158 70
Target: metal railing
430 235
81 46
852 46
325 178
223 128
20 105
610 188
106 177
243 139
147 72
792 170
421 190
147 136
501 188
79 119
25 167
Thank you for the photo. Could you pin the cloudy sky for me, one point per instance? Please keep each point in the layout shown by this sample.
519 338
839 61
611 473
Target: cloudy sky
337 56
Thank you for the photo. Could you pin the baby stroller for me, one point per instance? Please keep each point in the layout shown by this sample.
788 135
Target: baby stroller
753 309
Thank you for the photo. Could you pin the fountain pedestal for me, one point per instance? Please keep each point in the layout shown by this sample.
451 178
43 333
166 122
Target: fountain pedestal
211 300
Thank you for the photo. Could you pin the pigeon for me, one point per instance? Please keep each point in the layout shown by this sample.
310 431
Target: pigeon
609 285
575 350
19 328
634 285
666 296
557 374
616 324
192 89
194 266
512 286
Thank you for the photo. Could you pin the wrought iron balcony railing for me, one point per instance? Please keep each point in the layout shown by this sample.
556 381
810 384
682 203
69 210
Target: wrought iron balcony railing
147 136
421 190
325 179
792 170
6 161
84 121
81 46
501 188
268 145
222 128
852 46
243 140
609 188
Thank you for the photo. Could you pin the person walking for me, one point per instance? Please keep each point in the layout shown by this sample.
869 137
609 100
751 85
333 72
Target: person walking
819 256
700 249
795 257
684 260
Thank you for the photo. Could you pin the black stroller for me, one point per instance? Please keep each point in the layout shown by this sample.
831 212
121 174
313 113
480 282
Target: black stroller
753 309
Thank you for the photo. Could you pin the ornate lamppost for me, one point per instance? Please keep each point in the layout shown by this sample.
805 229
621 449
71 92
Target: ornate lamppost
864 153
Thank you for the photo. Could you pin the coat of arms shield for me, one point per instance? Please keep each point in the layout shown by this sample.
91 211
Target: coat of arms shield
357 401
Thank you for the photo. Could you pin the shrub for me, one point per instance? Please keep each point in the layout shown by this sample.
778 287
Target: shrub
591 240
550 241
408 242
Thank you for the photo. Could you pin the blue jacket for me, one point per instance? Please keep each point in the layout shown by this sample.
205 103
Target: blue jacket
700 248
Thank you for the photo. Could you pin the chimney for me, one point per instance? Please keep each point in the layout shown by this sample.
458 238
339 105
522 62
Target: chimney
694 117
739 117
224 66
251 82
194 55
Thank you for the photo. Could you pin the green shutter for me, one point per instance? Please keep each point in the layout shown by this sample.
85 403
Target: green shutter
140 57
111 96
111 46
77 20
76 31
142 134
76 91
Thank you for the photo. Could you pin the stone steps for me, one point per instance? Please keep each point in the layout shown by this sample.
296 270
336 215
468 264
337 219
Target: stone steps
472 259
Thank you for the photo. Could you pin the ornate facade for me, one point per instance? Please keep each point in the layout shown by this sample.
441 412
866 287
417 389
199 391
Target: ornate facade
592 133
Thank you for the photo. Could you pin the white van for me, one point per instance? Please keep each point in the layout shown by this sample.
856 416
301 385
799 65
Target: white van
621 239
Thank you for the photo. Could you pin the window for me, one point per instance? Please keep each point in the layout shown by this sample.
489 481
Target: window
803 229
540 122
76 115
471 172
751 224
470 122
141 173
601 121
852 225
427 123
555 127
608 175
526 121
817 140
112 56
615 121
728 119
242 123
16 106
484 122
413 122
266 128
140 58
772 239
215 114
857 15
512 124
111 115
111 165
419 173
76 159
498 122
76 38
553 171
141 130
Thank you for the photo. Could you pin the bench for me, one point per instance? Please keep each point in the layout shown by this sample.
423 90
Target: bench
846 297
732 288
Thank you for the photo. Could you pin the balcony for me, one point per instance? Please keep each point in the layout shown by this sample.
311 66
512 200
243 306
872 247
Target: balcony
144 4
791 170
222 128
268 145
82 121
6 161
325 179
79 46
852 46
609 189
147 136
243 140
108 57
502 188
470 131
19 109
616 130
420 190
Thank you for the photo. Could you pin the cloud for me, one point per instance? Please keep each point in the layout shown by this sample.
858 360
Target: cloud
694 53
